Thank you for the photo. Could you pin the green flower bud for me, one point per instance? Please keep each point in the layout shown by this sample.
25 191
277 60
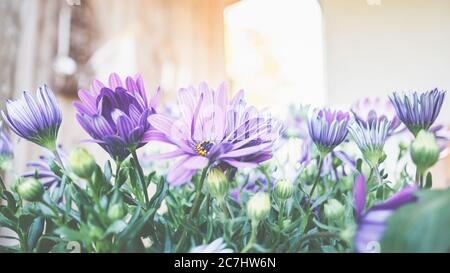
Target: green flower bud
82 163
424 151
30 190
347 234
284 189
334 210
95 233
258 207
116 211
217 184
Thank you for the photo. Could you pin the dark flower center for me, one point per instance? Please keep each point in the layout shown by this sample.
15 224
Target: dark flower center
203 147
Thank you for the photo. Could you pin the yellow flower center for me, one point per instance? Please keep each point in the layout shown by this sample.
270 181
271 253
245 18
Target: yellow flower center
203 147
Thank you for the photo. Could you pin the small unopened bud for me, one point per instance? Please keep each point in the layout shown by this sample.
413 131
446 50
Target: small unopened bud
284 189
334 210
116 211
217 184
95 233
82 163
424 150
258 206
30 190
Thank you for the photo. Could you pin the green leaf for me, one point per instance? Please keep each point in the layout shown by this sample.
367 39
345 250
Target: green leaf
25 221
420 227
359 165
71 234
115 228
36 229
12 205
107 171
46 243
160 194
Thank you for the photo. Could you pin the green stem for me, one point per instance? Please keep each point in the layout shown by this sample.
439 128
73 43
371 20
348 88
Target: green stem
377 174
223 206
195 207
141 176
54 211
280 214
252 240
58 158
317 177
419 177
198 194
118 165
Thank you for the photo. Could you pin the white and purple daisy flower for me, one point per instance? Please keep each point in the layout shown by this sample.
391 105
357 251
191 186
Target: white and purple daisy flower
365 108
215 129
370 136
328 128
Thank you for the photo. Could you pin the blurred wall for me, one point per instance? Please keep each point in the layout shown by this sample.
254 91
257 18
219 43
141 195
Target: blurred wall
374 47
171 42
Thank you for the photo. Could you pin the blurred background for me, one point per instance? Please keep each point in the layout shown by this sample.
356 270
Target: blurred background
320 52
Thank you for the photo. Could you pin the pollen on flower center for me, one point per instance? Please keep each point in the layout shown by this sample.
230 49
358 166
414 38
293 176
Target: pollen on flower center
203 147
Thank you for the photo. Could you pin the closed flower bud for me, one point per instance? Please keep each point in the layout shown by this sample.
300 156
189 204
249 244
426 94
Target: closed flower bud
30 190
82 163
116 211
217 184
95 233
424 150
334 210
258 207
284 189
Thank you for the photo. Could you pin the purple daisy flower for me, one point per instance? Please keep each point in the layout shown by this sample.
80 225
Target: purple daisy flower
328 129
37 120
370 136
364 109
418 111
212 129
372 224
115 116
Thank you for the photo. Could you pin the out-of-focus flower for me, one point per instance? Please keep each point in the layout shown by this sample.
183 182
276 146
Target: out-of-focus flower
372 225
258 206
41 169
115 116
214 129
328 129
37 120
6 150
255 182
418 111
217 246
442 135
424 151
370 137
296 122
367 107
